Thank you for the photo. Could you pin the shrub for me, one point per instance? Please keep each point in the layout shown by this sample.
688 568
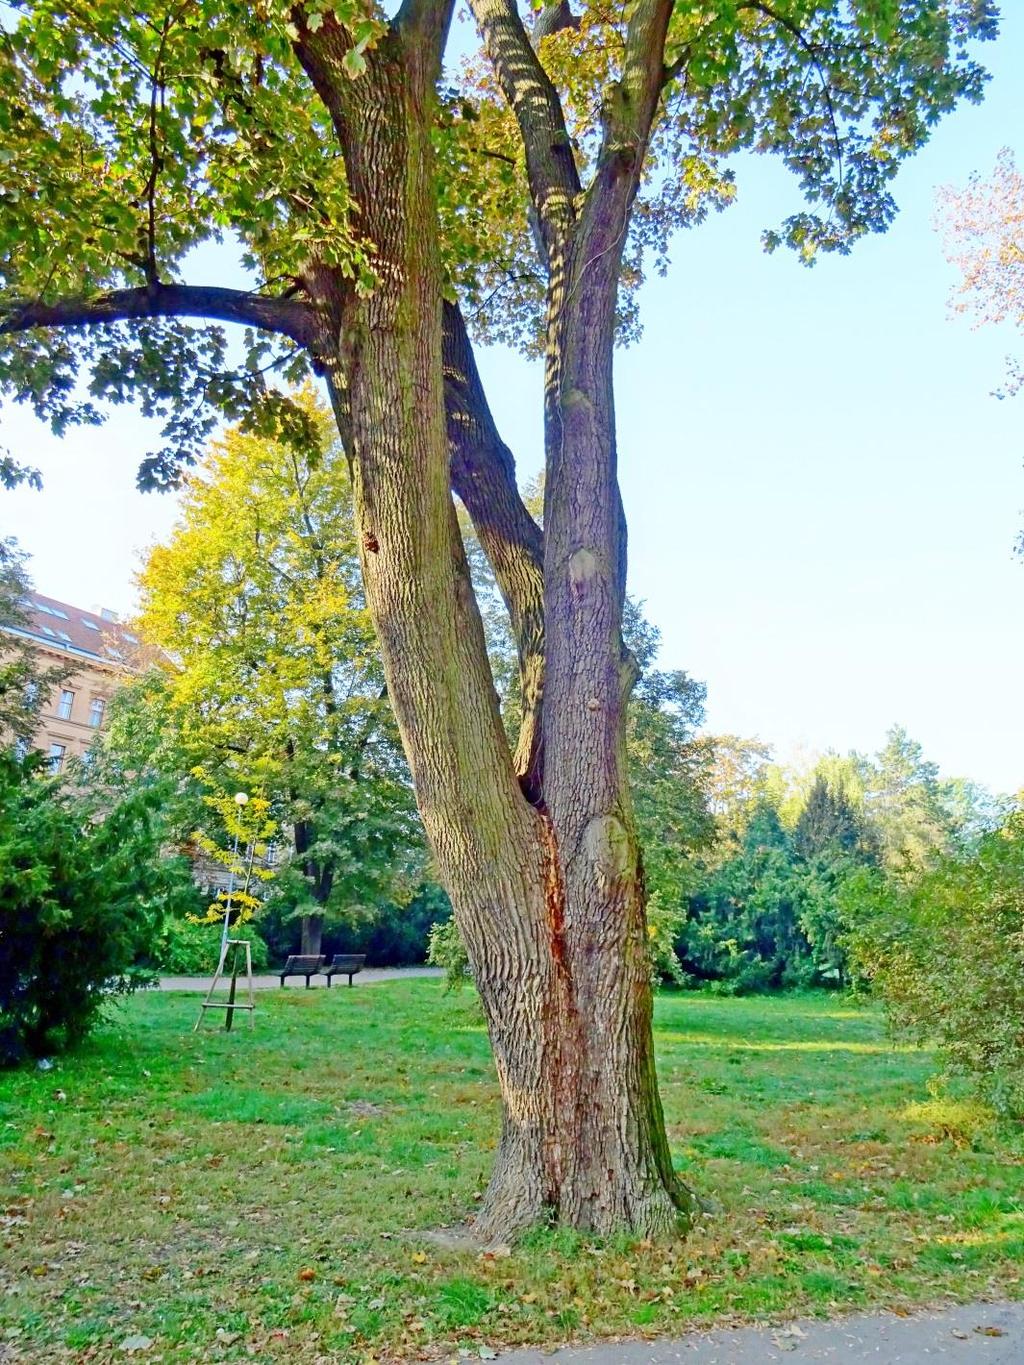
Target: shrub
446 949
187 949
962 1122
83 891
947 956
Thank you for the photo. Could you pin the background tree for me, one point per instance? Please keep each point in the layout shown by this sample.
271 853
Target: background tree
947 956
744 922
982 227
273 682
903 798
828 823
25 684
776 903
317 137
736 776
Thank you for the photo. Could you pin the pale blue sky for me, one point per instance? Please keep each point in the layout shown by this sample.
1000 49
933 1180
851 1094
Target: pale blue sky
823 494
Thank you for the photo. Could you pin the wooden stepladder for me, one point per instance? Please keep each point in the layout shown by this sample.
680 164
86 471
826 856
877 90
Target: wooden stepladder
235 946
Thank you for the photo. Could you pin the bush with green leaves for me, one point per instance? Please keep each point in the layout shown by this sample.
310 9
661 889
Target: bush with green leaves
446 949
83 892
946 953
189 949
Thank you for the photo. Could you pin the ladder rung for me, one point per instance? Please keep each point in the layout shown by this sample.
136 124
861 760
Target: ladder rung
223 1005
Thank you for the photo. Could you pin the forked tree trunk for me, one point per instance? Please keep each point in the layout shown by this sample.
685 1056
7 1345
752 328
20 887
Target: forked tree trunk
549 898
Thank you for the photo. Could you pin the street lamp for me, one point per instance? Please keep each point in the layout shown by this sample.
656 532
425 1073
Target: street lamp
241 801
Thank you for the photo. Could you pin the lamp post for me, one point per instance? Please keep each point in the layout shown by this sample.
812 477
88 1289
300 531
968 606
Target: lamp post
241 801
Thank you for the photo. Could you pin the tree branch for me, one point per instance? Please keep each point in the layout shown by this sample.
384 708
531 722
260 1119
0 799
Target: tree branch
550 164
556 16
287 317
483 476
628 115
761 7
425 23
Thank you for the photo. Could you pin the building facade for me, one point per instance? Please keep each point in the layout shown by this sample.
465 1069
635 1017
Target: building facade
95 654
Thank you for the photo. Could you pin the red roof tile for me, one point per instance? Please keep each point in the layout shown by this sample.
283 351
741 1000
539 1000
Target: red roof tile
76 631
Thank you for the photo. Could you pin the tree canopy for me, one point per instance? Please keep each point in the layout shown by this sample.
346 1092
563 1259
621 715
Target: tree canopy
132 137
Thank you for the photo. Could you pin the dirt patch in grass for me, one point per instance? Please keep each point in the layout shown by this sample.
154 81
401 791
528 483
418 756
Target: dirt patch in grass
263 1195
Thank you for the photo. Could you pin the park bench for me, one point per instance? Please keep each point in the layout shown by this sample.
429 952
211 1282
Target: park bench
302 965
345 964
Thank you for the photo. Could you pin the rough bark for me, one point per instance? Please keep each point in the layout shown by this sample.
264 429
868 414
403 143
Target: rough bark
616 1167
312 935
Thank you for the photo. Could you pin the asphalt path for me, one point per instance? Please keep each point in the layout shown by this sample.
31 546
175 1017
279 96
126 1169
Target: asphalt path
979 1333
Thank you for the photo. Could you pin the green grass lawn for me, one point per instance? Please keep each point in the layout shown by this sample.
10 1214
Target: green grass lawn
258 1195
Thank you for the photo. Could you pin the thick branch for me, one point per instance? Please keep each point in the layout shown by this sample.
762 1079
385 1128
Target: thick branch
556 16
483 476
528 90
629 109
288 317
424 24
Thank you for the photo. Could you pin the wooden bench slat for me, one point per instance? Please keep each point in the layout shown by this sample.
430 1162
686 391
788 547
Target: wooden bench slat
345 964
303 964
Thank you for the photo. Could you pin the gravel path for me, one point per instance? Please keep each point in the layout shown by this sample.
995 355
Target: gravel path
987 1333
369 976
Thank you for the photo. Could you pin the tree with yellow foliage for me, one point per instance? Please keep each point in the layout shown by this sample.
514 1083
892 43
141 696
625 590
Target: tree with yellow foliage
272 681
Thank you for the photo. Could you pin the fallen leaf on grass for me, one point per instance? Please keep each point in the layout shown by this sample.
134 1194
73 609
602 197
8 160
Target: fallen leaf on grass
307 1273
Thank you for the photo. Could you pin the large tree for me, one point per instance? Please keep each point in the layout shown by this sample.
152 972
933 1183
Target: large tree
368 199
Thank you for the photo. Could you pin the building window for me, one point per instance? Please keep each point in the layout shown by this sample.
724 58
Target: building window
91 624
51 611
57 752
97 710
67 700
